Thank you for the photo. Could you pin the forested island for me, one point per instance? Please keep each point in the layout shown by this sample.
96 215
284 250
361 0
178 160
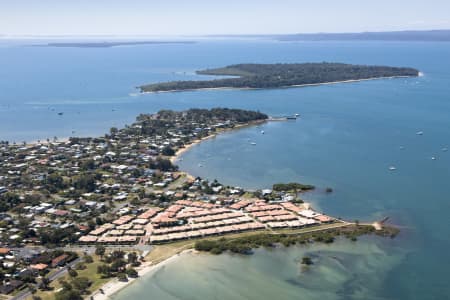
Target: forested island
281 75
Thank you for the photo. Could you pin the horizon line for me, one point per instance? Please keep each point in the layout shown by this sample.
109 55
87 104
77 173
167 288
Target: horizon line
3 35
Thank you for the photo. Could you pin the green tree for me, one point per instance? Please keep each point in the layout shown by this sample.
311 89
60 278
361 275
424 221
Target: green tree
72 272
45 282
88 259
65 284
122 276
131 272
54 182
81 284
168 151
85 182
68 295
100 250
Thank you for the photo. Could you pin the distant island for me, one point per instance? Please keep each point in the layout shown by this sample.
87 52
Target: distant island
407 35
281 75
110 44
441 35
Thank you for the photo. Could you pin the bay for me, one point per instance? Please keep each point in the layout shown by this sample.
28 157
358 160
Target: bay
347 137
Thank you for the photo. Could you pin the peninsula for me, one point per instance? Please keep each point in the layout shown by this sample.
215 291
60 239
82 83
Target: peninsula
258 76
82 213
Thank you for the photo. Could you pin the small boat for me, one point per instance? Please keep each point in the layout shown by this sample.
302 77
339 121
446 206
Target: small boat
297 115
60 113
445 149
291 118
262 131
402 148
392 168
419 132
253 143
433 158
200 165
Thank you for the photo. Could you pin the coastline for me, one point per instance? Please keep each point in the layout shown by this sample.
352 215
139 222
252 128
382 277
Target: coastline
281 87
187 147
114 286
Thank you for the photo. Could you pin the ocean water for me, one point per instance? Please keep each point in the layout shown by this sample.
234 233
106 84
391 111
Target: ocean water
270 274
347 137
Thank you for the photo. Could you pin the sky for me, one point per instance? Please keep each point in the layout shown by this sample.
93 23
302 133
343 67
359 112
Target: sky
203 17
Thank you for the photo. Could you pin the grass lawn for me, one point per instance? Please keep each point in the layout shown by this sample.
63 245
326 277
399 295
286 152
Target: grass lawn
312 228
160 253
90 272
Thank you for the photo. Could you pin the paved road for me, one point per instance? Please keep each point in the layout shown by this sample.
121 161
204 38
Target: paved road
91 249
61 272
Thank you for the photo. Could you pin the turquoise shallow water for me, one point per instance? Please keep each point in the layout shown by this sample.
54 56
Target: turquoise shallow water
347 137
340 271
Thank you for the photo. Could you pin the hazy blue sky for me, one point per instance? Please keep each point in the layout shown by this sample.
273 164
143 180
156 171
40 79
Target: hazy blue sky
187 17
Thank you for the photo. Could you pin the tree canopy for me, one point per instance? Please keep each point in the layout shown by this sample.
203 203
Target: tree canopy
281 75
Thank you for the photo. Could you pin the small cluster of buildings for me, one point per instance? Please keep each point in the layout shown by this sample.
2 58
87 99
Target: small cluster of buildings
187 219
285 215
22 266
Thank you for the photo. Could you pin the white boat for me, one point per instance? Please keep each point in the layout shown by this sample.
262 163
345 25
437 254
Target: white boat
253 143
297 115
392 168
419 132
262 131
433 158
445 149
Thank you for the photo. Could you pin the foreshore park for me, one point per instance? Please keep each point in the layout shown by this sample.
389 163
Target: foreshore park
79 212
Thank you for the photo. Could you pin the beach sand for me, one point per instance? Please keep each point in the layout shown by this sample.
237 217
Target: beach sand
114 286
282 87
180 151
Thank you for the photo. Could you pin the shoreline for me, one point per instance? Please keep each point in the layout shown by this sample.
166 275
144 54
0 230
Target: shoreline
114 286
187 147
280 87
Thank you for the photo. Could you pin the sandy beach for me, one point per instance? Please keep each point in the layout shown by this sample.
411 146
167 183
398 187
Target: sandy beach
114 286
282 87
180 151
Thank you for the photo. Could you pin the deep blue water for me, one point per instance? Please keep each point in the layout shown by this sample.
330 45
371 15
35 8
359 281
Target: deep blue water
347 137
